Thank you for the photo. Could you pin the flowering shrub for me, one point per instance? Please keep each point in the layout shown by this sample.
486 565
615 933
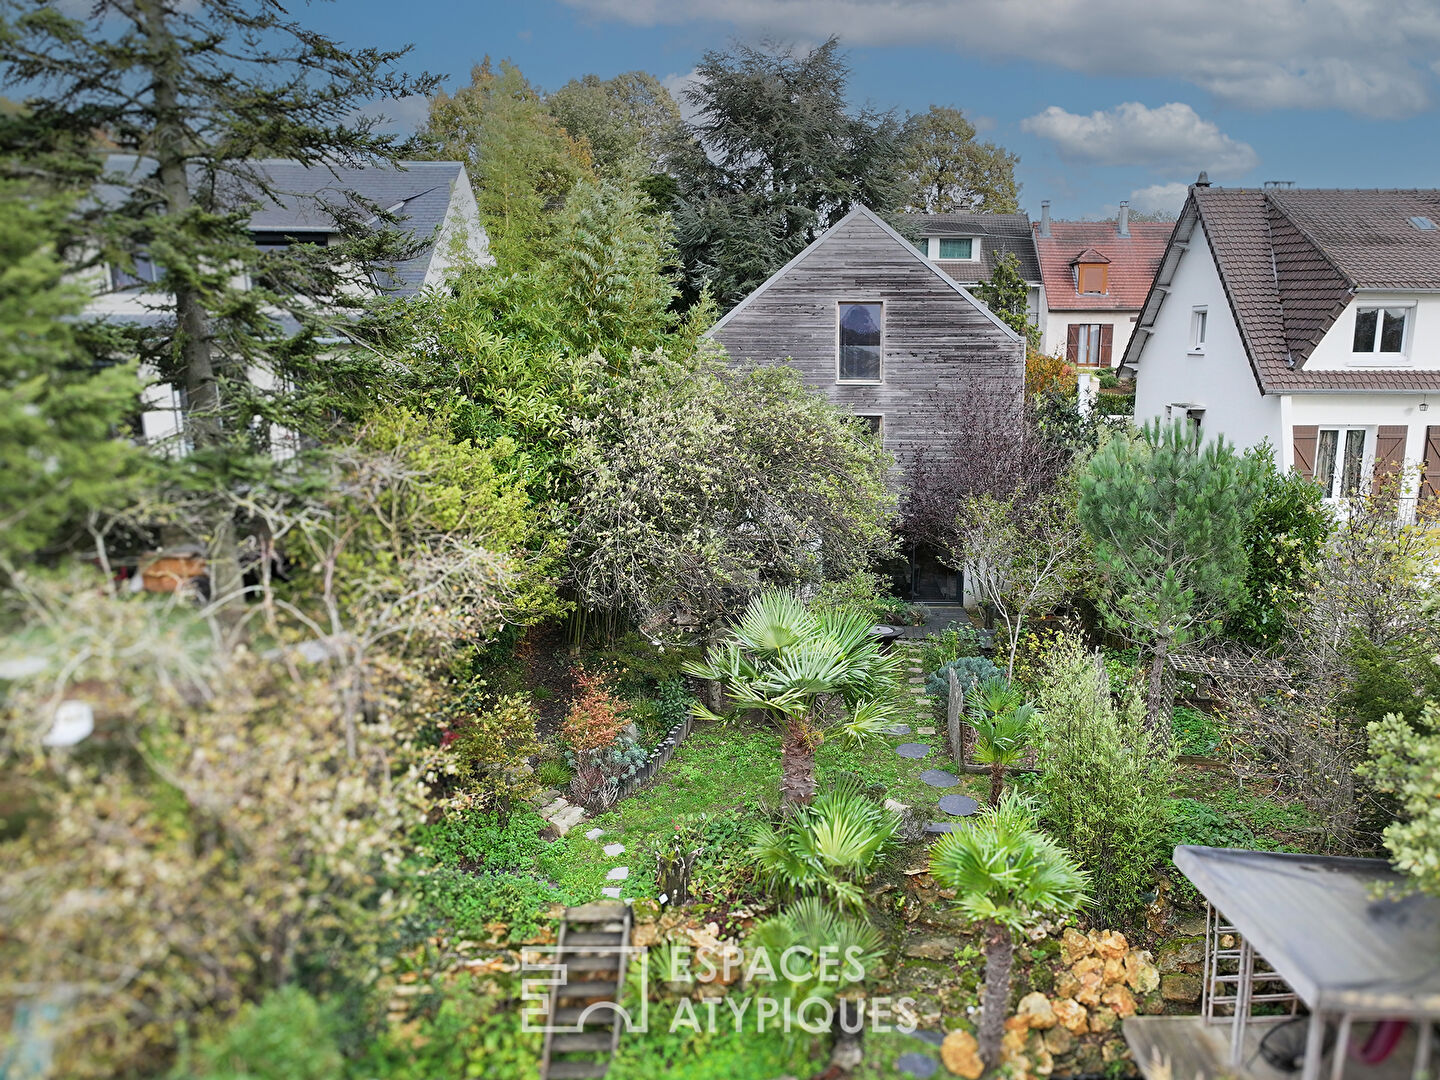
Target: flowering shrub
601 743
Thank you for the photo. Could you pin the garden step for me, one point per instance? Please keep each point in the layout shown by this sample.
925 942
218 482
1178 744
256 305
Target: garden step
579 938
600 911
572 1014
576 1070
590 963
583 1043
593 988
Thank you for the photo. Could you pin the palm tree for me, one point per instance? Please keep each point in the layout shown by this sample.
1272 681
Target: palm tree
1003 725
806 671
1007 875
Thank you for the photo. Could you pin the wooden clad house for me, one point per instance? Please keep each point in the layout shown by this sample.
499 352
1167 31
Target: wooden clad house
882 331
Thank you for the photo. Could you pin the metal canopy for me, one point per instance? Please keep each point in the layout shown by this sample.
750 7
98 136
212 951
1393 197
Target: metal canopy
1324 926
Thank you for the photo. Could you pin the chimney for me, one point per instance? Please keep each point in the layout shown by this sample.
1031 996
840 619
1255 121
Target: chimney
1203 180
1123 225
1044 217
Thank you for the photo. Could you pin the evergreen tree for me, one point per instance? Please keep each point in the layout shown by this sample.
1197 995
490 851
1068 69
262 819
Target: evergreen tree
198 91
948 170
629 116
1006 294
1166 513
774 158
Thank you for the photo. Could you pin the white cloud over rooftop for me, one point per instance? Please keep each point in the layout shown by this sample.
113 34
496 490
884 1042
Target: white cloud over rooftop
1173 138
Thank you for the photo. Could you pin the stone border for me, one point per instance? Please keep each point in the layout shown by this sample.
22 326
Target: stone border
662 752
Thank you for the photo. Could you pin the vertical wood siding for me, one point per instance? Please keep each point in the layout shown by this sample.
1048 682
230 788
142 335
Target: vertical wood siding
938 347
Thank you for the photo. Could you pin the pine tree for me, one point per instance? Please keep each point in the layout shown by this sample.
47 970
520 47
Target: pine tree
198 91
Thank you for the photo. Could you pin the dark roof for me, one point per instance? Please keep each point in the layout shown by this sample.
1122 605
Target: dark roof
1327 926
418 192
1132 260
1291 260
998 232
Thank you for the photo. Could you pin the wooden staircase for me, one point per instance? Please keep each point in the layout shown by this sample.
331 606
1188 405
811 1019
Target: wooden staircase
589 947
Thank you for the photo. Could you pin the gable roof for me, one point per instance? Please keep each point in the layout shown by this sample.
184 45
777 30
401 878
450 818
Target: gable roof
863 211
1290 262
1132 261
418 192
999 233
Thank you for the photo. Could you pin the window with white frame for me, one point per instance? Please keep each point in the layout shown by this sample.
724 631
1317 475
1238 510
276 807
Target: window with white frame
861 325
957 247
1340 461
1382 330
1199 317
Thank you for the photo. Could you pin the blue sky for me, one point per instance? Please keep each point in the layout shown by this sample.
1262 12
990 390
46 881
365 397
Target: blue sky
1102 99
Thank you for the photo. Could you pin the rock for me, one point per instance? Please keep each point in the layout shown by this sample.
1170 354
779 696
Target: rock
645 935
1141 974
1180 987
1071 1015
1121 1000
1114 1050
1036 1010
937 947
1017 1023
1178 955
1191 926
961 1055
1066 984
1091 973
1088 1060
1074 946
1012 1046
1114 972
612 893
1102 1020
550 809
1059 1041
1111 945
567 819
847 1054
594 834
918 1065
620 873
614 849
1043 1062
1152 1004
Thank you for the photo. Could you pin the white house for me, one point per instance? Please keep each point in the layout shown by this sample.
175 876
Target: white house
1310 318
433 200
966 246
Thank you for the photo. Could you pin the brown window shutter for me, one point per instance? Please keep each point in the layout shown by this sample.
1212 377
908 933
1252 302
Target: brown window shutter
1305 436
1072 343
1107 339
1389 457
1432 463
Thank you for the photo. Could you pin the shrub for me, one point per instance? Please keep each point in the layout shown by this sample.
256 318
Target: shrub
951 643
637 665
674 701
1104 782
490 743
863 591
814 933
1405 763
1196 732
971 671
469 903
600 773
596 716
286 1036
478 840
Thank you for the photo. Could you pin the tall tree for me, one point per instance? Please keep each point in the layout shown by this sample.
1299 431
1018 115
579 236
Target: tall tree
629 116
520 160
948 170
774 158
198 91
1007 295
1166 513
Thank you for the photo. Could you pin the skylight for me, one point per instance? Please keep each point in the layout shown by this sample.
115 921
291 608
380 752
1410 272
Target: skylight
1423 223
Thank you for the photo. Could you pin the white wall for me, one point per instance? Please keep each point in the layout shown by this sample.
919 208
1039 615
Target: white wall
1220 380
1367 411
1057 330
1336 349
462 239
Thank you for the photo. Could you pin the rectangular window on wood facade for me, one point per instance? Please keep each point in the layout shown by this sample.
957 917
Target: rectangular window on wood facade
957 247
860 330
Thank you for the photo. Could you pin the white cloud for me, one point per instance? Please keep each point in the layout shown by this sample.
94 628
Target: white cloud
400 116
676 84
1172 137
1170 197
1367 56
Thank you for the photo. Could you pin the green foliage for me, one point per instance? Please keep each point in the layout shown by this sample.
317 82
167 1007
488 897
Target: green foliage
971 671
863 591
949 170
1005 293
490 743
1196 733
1397 677
829 848
474 840
955 641
62 415
1004 724
1405 763
815 931
1104 782
1198 823
775 156
521 162
287 1035
1287 528
630 116
470 902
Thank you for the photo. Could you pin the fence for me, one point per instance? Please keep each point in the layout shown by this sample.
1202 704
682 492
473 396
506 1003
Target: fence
659 755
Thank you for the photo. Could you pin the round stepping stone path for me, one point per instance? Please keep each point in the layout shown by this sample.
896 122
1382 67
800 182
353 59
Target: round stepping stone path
934 1038
912 750
898 729
939 778
919 1065
938 828
959 805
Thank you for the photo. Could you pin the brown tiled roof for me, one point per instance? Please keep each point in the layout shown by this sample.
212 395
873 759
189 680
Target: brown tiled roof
1132 260
1291 260
998 233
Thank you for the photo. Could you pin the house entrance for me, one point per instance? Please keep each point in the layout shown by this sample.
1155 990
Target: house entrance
931 581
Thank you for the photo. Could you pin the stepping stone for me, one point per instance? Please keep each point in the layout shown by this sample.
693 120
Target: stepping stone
568 818
959 805
912 750
934 1038
939 778
551 809
594 834
620 873
939 828
614 849
925 729
613 893
918 1065
896 729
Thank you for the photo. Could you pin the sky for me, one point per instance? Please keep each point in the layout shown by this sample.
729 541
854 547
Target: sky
1103 100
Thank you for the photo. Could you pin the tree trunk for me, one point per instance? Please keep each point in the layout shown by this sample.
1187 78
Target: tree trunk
1157 697
203 423
797 765
999 957
954 707
997 782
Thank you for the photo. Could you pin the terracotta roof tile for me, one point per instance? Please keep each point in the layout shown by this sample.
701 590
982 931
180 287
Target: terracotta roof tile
1132 260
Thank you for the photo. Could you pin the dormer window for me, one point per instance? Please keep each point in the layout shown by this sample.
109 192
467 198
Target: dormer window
957 247
1381 330
1092 273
